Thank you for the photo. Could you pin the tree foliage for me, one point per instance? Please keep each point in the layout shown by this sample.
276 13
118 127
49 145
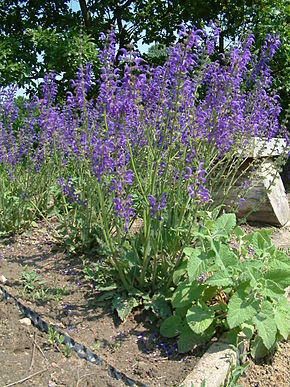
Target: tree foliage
51 30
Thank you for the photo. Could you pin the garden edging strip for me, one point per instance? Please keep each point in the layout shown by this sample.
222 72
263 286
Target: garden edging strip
81 350
214 366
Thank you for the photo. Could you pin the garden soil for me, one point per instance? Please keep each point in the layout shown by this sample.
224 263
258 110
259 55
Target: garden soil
134 347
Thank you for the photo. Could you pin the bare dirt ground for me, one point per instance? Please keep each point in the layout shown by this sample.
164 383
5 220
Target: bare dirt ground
133 347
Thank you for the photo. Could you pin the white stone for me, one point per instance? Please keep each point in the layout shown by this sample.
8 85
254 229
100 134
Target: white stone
25 321
3 279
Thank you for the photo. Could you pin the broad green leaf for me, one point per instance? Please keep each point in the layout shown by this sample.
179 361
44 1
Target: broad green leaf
188 251
241 308
239 232
228 257
282 257
209 292
185 294
258 349
124 306
280 262
200 317
281 277
187 339
265 234
282 317
195 265
248 330
221 278
233 335
272 290
171 327
160 307
265 324
179 272
224 225
260 241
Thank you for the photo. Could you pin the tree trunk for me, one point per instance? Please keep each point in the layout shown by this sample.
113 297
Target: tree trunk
266 201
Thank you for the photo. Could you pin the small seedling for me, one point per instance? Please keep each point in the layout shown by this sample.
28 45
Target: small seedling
66 350
31 280
97 345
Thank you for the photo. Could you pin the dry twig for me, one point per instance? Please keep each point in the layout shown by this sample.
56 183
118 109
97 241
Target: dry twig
27 378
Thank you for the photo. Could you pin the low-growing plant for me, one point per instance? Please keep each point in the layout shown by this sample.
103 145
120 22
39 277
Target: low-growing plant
55 339
31 281
230 285
35 288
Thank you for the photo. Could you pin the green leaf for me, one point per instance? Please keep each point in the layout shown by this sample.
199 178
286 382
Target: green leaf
160 307
188 251
281 277
258 349
242 308
282 317
185 294
200 317
224 225
248 330
124 306
195 265
272 290
187 339
260 241
265 324
221 278
179 272
239 232
279 262
171 327
228 257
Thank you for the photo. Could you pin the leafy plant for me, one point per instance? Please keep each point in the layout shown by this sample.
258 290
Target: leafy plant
34 287
55 339
236 288
31 281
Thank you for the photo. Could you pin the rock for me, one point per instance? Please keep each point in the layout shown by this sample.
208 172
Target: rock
25 321
3 279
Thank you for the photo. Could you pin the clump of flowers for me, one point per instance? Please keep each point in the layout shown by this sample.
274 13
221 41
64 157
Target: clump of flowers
154 144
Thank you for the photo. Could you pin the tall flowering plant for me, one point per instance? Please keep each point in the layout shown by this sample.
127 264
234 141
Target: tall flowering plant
133 167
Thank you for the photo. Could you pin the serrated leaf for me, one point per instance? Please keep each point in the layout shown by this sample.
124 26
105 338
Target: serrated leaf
282 317
241 308
200 317
221 278
224 225
185 294
124 306
265 324
171 327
